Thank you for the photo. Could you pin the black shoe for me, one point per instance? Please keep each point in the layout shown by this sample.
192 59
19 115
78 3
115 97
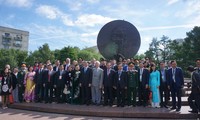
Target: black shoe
88 104
165 106
193 111
178 109
111 104
173 108
98 104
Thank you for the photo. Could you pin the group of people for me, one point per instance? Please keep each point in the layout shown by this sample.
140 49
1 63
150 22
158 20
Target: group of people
94 82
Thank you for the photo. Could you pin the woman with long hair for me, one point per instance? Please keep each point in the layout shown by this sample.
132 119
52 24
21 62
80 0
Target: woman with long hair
6 87
29 83
154 84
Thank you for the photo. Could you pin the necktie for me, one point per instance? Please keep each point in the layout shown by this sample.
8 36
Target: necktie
141 71
108 72
173 72
119 74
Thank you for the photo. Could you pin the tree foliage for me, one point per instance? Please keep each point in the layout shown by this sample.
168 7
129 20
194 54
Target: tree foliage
16 57
12 57
184 51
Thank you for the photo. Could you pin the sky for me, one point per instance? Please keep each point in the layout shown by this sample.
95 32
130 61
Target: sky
63 23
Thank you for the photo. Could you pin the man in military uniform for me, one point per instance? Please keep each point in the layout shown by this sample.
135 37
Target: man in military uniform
132 80
20 78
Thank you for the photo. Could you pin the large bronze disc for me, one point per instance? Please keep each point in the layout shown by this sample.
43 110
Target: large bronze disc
118 37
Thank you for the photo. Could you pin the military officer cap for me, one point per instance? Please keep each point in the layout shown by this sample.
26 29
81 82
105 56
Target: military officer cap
23 65
131 64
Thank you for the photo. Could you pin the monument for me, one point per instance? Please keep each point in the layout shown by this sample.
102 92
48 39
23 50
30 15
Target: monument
117 39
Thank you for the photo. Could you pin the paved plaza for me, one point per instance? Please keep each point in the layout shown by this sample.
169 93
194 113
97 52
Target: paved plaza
15 114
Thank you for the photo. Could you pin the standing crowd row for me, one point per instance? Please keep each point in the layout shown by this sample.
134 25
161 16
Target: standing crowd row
94 82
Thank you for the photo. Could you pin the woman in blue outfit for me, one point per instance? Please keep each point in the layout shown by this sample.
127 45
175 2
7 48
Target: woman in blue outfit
154 84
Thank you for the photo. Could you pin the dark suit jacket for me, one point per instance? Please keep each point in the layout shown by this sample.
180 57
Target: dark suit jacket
162 84
123 79
14 80
196 83
108 80
115 67
65 67
39 76
46 76
54 68
86 77
145 77
178 77
103 67
69 77
60 82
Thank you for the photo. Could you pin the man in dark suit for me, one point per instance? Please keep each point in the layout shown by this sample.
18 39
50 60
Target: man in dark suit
103 64
175 84
143 75
114 65
197 68
60 79
108 81
67 64
194 98
163 85
56 68
48 83
85 83
120 83
39 89
57 64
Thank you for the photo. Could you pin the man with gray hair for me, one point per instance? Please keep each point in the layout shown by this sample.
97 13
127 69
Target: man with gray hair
97 82
67 64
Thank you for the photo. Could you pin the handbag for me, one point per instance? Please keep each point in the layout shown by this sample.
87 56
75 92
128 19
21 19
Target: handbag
11 100
182 92
65 91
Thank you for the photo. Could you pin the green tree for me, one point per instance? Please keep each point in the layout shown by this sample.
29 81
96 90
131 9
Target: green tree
139 56
45 53
154 50
190 47
164 47
86 55
12 57
69 52
41 55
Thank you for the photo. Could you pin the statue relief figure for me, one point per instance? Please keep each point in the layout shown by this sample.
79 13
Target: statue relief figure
118 36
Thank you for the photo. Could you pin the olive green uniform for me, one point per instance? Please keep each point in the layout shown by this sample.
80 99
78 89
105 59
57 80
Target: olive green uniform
132 86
